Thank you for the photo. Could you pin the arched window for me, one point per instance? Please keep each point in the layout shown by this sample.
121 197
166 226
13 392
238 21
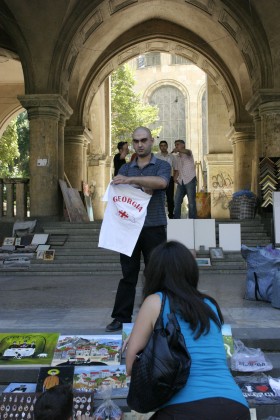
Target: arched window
172 113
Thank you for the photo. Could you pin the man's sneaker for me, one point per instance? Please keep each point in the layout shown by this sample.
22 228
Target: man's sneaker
114 326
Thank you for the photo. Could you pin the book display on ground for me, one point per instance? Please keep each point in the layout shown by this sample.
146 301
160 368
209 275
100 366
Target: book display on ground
95 378
88 350
27 348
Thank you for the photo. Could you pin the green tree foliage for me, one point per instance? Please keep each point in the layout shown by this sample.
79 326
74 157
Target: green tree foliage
22 125
128 109
9 151
14 148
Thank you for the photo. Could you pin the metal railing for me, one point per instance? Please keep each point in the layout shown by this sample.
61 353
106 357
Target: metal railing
14 198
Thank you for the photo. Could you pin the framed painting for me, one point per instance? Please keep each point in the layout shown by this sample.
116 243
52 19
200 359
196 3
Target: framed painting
216 253
203 262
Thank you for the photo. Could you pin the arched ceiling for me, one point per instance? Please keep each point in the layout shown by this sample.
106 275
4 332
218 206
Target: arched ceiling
87 40
224 42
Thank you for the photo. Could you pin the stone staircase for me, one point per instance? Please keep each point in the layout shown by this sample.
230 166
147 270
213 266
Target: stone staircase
80 253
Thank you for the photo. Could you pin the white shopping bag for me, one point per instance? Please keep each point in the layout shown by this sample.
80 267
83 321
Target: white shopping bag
124 218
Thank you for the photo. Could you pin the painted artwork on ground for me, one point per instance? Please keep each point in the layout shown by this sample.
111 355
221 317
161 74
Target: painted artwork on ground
52 376
27 348
88 350
228 340
99 379
20 387
203 262
126 331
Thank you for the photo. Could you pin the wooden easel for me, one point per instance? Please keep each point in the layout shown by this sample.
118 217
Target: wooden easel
73 202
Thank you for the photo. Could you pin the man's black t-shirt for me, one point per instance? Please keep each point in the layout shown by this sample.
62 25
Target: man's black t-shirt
118 162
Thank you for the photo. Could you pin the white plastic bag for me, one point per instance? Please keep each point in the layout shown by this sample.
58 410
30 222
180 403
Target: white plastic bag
108 410
246 359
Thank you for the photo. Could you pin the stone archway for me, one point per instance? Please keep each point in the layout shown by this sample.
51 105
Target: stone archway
87 41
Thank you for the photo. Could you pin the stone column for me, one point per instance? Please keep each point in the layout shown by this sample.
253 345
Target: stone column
21 198
242 137
220 183
44 113
10 197
74 137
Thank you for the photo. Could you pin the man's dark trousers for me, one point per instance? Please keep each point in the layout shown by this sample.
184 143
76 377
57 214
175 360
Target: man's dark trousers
149 238
170 197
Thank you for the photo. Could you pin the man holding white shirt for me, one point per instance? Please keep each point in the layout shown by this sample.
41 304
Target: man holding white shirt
152 176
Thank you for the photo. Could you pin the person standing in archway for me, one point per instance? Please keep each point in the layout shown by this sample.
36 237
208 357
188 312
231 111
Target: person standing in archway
152 176
170 158
119 158
185 178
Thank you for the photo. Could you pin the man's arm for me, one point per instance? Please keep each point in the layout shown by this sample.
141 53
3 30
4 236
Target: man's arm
175 175
187 152
150 182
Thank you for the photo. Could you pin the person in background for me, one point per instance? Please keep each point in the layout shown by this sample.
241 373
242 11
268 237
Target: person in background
119 158
170 158
152 176
54 404
210 392
185 178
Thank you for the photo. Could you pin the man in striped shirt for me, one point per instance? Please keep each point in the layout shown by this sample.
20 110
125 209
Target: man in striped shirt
152 176
185 178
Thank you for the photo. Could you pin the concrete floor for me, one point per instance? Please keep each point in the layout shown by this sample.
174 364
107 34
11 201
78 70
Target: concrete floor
83 305
73 305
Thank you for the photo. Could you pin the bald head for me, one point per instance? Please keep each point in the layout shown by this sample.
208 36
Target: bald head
142 129
142 141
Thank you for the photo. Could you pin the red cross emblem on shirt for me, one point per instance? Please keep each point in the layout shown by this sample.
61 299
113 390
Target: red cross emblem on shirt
123 214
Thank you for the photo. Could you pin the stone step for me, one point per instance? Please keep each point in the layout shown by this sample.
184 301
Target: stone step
80 253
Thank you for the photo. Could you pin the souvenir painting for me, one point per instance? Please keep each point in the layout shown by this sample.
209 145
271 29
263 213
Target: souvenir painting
228 340
20 387
88 350
96 378
27 348
126 331
203 262
52 376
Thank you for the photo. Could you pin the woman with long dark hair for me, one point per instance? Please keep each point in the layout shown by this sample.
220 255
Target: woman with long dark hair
210 392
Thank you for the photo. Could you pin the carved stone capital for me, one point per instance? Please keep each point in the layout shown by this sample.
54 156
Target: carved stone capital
45 106
95 158
261 97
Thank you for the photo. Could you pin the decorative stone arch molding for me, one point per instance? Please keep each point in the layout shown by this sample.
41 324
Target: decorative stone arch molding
13 113
218 73
234 23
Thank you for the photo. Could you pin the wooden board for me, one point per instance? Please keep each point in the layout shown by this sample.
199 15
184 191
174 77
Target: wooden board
181 230
74 205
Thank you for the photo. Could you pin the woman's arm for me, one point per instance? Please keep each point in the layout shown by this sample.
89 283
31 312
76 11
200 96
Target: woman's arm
142 328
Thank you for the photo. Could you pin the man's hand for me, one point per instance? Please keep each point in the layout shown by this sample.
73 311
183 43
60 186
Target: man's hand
121 179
